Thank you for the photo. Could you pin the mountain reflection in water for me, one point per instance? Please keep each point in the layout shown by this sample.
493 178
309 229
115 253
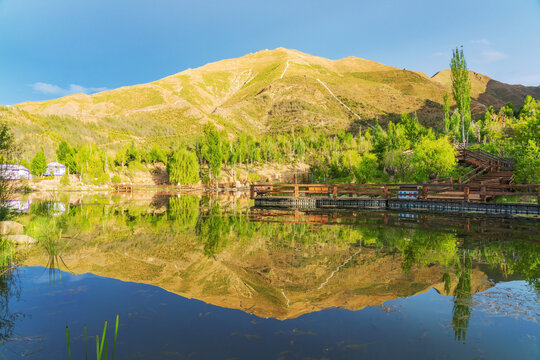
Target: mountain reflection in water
283 264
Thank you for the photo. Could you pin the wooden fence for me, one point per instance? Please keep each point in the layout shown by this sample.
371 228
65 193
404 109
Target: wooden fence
436 192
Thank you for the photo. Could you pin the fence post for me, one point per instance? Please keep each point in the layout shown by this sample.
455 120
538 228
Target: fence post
251 191
466 193
386 192
425 190
335 191
483 194
538 195
295 185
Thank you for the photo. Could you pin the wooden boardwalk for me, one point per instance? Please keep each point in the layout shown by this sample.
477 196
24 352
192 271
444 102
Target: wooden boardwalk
430 197
491 176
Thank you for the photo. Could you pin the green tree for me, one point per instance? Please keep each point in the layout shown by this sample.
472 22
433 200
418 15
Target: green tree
7 144
39 163
397 135
446 113
528 164
156 154
398 162
461 89
212 149
433 158
7 147
65 154
183 167
367 170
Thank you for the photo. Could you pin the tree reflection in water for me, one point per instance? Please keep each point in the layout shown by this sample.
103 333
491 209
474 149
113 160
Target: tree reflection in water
461 312
294 251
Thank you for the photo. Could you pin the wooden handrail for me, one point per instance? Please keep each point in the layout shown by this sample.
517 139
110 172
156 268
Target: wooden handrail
441 191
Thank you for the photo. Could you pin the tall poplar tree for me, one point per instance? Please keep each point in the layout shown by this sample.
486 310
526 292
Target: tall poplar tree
461 89
446 113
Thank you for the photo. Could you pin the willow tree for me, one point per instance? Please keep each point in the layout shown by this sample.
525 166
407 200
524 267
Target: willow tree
461 89
183 167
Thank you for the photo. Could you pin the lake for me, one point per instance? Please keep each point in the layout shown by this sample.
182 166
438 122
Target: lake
194 277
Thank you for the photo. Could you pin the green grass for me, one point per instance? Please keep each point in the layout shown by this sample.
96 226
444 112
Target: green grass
7 255
530 199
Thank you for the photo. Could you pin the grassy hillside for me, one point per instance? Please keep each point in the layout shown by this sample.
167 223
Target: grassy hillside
269 91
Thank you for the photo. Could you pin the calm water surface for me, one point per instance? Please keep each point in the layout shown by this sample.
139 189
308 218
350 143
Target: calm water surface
200 278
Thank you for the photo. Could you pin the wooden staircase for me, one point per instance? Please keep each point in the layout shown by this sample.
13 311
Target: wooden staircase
497 170
487 169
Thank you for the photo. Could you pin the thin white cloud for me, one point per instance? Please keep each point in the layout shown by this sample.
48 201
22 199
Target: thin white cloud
51 89
481 42
484 51
493 55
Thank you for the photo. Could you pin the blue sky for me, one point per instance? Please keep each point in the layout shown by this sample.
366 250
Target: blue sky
50 48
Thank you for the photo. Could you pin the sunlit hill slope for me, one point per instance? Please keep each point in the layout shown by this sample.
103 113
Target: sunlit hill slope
269 91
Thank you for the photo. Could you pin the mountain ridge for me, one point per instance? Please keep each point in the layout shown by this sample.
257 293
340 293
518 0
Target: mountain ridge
263 92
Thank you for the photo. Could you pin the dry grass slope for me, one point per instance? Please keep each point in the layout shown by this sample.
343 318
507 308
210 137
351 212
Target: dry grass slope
268 91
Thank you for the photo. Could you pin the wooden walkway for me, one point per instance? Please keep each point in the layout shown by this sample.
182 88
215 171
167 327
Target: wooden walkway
468 196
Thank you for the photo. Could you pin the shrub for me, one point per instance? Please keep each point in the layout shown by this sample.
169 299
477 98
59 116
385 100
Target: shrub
253 177
64 180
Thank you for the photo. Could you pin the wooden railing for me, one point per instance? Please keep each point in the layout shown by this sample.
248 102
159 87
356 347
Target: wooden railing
465 178
435 192
481 157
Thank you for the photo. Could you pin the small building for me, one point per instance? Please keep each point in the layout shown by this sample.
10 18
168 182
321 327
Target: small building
20 206
55 169
14 172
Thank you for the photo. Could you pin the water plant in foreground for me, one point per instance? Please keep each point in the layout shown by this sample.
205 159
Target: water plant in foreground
102 348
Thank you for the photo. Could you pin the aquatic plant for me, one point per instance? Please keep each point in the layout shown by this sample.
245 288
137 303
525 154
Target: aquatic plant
52 238
102 346
7 253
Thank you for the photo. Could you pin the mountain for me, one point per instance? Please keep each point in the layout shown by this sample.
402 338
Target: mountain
268 91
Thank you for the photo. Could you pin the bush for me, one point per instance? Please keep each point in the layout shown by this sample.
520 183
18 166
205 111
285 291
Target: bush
64 180
103 178
116 179
253 177
433 158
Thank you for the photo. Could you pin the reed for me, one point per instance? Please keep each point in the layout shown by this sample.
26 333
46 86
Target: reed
102 347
